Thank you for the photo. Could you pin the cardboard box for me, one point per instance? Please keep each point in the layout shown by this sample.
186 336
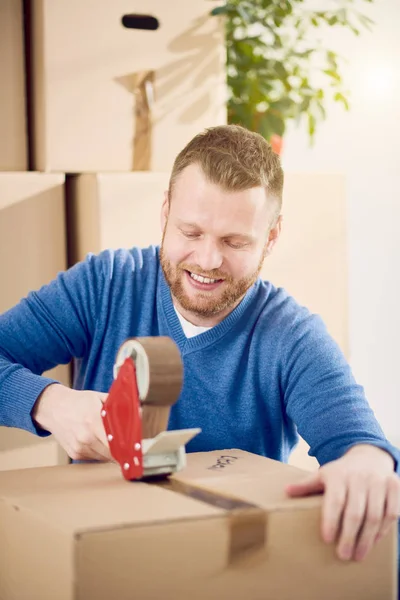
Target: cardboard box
22 450
223 529
89 82
13 136
310 259
109 210
32 252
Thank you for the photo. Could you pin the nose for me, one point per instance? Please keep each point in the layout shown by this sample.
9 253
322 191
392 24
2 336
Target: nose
208 255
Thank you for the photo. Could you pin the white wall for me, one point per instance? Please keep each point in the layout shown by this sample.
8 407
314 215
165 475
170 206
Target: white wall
365 145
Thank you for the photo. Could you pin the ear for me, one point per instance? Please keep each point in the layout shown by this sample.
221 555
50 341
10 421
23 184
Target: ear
274 234
164 211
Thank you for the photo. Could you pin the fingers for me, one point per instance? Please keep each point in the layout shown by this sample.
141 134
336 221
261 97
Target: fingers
361 503
353 517
311 485
374 517
87 453
99 432
90 440
359 513
392 506
332 510
88 448
101 448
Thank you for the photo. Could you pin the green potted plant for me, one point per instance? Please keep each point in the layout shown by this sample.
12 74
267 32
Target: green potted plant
276 69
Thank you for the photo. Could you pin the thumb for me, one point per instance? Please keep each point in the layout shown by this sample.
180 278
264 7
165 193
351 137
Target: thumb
312 485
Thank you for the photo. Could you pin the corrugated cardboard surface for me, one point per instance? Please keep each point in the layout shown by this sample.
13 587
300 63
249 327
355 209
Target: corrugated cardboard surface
13 137
32 252
82 531
85 67
114 210
310 259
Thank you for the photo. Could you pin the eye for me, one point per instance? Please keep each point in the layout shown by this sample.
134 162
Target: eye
190 235
236 245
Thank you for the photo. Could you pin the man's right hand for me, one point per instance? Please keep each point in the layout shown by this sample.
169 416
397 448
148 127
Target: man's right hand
73 417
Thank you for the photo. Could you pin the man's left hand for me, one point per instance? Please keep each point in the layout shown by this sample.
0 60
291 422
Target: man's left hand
362 499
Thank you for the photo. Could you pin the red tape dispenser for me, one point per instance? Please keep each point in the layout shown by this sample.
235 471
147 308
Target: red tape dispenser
147 382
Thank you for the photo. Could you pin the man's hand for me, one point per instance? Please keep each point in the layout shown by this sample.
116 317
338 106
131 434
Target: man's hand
362 499
73 417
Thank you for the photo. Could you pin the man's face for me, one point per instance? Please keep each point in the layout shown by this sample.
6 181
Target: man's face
214 244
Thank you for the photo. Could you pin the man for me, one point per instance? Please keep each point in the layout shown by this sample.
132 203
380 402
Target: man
256 364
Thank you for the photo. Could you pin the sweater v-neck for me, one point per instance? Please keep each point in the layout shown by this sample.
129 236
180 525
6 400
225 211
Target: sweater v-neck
201 341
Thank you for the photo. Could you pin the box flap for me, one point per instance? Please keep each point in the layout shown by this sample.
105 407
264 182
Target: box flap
248 476
84 497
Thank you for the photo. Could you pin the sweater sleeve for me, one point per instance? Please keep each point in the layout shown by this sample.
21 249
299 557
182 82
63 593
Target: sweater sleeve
322 397
47 328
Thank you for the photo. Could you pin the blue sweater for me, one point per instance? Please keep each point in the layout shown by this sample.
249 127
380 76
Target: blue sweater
268 370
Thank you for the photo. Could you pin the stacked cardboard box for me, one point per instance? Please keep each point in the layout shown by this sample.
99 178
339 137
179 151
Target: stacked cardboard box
32 252
32 221
111 98
13 136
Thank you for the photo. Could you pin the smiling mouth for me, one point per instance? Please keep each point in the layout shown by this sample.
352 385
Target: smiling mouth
202 279
205 282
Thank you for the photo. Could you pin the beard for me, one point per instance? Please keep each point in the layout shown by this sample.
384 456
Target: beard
207 304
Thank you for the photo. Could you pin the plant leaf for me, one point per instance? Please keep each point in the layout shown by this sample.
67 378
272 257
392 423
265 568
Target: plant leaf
339 97
242 12
220 10
333 74
311 124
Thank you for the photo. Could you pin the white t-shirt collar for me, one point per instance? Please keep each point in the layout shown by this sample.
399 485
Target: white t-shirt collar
189 329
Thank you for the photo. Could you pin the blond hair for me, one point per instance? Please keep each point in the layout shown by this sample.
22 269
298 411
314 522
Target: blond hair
235 159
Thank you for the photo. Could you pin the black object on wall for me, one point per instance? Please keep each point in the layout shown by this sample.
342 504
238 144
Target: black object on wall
146 22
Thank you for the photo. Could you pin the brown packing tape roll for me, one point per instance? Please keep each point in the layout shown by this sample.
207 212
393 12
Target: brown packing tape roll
154 420
166 370
166 373
247 521
159 369
159 375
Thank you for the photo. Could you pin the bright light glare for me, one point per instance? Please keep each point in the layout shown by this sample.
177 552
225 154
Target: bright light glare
379 80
